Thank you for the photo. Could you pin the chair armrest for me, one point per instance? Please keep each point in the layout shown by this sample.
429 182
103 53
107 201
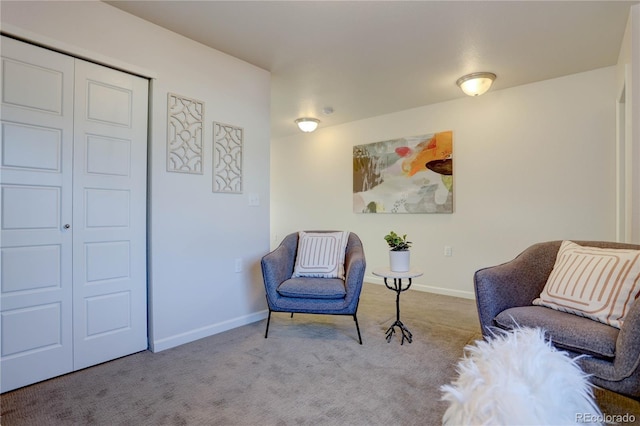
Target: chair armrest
354 266
628 344
514 283
277 266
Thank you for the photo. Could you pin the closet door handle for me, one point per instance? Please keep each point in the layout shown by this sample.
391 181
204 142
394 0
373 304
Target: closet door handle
66 226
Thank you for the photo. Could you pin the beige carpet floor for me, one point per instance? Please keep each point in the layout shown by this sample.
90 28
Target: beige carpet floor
310 371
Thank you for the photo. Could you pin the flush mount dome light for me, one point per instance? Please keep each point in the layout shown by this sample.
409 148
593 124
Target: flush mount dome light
477 83
307 124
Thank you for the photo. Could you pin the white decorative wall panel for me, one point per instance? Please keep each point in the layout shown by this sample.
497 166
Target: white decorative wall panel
31 86
109 104
46 334
184 134
30 268
227 158
108 156
108 313
107 261
107 207
31 147
30 207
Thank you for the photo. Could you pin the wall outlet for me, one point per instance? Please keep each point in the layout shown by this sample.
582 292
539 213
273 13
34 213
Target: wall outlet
238 267
254 199
448 251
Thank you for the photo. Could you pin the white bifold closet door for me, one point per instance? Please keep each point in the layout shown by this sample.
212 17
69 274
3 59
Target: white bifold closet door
73 204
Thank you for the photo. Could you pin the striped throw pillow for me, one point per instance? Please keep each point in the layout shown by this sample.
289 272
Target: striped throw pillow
321 254
597 283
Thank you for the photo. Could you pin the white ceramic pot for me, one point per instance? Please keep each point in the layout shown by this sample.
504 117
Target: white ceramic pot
400 261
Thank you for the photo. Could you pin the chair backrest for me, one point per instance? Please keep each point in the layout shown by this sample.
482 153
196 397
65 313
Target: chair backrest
290 243
530 269
543 255
291 240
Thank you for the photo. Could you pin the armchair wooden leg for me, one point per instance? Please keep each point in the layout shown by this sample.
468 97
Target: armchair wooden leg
268 321
357 328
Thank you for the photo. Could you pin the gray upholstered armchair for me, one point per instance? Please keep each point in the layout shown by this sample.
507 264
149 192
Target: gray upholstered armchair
504 296
332 296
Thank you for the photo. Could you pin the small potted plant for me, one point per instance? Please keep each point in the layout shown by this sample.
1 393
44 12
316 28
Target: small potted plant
399 254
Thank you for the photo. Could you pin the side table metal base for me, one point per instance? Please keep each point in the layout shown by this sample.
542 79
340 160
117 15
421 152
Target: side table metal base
397 277
406 334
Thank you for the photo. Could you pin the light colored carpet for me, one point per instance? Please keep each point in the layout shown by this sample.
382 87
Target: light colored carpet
310 371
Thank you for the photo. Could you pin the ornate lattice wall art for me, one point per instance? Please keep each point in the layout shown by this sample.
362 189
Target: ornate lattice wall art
227 158
184 134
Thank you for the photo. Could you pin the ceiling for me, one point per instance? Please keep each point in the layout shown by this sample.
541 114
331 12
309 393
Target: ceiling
368 58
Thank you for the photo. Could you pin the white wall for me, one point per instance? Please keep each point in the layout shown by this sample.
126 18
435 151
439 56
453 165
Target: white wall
628 90
195 235
532 163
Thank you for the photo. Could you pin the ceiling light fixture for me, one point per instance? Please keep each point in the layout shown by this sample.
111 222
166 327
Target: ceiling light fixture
477 83
307 124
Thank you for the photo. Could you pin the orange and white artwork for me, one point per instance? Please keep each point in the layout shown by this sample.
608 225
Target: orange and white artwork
407 175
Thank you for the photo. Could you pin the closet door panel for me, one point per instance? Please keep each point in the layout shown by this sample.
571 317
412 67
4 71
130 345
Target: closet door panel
110 287
73 214
35 205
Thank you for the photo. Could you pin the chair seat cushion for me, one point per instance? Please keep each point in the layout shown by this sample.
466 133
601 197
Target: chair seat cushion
566 331
313 288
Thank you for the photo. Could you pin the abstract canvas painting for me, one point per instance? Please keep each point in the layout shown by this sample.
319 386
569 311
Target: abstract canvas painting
407 175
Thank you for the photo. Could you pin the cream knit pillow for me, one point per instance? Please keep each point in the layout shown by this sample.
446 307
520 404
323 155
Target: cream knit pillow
597 283
321 254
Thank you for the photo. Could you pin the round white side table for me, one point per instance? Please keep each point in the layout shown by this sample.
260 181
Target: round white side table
397 277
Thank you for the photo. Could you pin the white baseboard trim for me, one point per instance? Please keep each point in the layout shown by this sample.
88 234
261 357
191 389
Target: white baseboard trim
427 288
200 333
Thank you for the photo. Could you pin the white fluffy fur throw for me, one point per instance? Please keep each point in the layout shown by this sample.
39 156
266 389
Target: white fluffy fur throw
518 378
